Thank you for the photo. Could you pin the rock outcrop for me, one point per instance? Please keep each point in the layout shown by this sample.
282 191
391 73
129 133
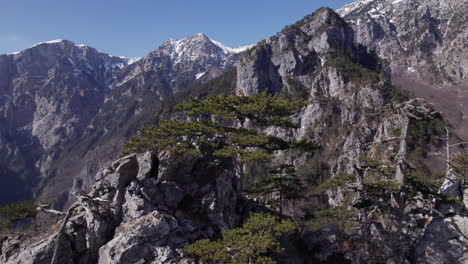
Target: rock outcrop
143 209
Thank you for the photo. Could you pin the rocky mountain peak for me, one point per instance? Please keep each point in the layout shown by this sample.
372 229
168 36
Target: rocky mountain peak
182 61
200 46
46 54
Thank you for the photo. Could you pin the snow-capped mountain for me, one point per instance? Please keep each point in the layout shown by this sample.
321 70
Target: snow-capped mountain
199 45
56 93
186 60
136 91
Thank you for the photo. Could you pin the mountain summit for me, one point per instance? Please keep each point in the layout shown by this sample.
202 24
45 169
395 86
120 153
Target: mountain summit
199 46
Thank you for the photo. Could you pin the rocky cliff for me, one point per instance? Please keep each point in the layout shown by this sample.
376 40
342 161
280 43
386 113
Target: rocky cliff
356 112
143 208
423 41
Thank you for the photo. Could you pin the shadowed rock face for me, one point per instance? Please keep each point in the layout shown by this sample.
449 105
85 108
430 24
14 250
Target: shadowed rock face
424 42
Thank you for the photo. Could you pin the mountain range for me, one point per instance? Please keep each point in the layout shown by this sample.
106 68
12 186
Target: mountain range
386 91
57 94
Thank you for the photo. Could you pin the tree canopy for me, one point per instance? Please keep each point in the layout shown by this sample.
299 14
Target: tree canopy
215 126
254 242
283 184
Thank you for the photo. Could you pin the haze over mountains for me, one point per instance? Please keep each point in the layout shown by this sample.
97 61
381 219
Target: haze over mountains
66 110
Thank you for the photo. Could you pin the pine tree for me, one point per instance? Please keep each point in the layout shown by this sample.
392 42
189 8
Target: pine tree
460 166
283 184
254 243
216 127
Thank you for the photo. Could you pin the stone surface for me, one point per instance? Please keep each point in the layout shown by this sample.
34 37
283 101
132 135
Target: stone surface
129 219
423 43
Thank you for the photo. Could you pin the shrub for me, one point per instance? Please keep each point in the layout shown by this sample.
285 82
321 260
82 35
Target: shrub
254 242
12 212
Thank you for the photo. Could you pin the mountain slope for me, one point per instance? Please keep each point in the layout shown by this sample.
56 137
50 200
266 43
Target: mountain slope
48 95
56 94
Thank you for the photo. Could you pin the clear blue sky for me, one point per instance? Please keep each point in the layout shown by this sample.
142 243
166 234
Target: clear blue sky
134 28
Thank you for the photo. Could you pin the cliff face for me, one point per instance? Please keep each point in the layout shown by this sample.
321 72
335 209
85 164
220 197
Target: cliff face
423 41
48 95
350 111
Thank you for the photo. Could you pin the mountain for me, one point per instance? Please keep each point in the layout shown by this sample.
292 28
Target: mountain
373 191
145 207
56 93
48 95
423 41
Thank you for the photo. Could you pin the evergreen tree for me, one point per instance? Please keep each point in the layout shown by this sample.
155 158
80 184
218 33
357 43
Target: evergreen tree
460 166
12 212
216 127
254 243
283 184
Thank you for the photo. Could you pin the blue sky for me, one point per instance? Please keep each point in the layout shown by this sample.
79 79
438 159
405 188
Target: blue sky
134 28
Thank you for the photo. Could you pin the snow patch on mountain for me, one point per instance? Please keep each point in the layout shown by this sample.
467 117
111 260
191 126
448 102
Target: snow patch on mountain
198 45
347 9
48 42
130 60
199 75
227 49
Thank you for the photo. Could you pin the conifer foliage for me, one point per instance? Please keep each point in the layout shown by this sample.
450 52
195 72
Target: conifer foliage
216 124
254 242
283 184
